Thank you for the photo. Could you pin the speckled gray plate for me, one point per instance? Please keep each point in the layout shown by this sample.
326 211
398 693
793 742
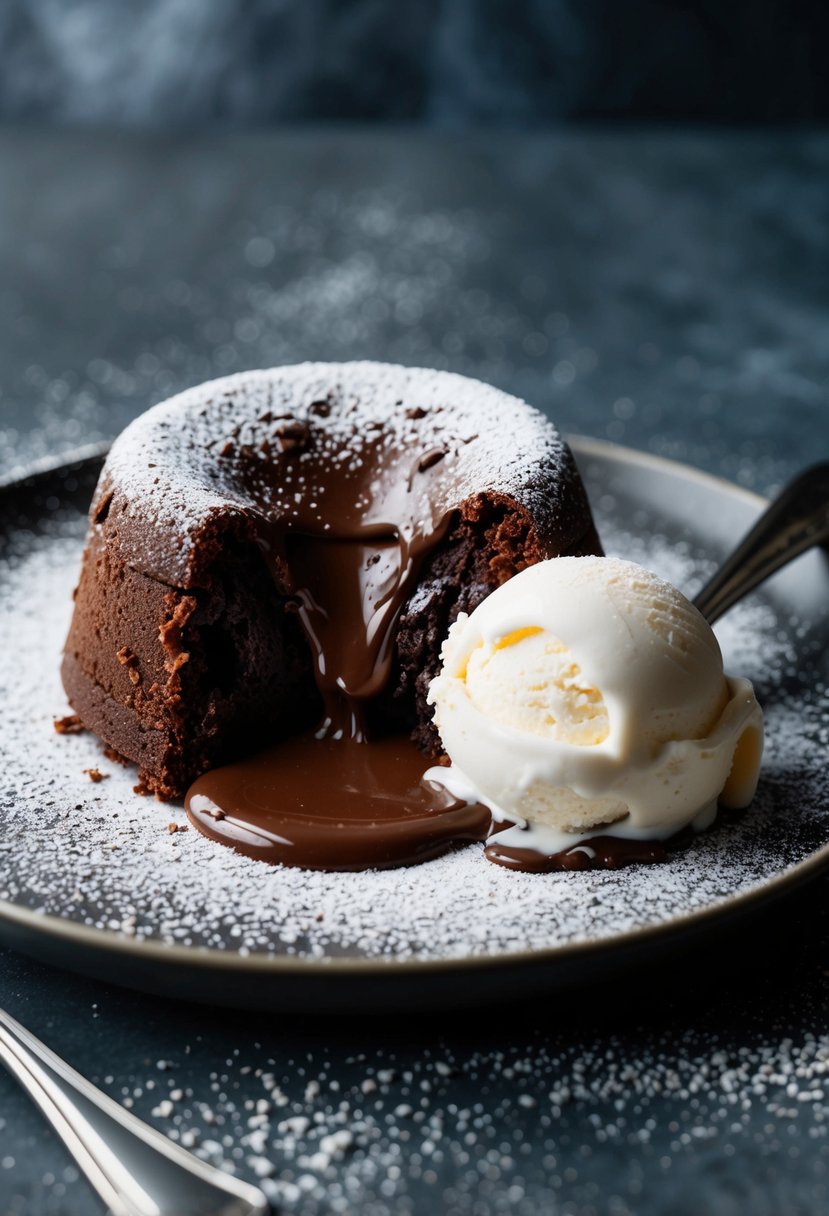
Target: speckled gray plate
91 879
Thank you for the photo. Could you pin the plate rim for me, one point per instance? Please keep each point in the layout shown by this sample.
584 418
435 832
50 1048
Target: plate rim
110 941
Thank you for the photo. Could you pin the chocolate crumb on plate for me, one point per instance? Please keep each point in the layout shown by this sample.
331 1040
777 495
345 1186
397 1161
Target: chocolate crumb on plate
69 724
95 775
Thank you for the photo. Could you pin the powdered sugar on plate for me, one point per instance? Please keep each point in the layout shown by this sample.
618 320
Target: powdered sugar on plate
93 851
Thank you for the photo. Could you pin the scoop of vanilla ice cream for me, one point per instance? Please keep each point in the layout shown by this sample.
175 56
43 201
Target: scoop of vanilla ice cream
530 680
586 692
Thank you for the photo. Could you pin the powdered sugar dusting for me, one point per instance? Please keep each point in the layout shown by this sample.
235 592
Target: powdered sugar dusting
98 854
212 449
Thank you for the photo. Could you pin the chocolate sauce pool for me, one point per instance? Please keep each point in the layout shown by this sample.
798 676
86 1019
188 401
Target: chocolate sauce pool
333 804
599 852
348 548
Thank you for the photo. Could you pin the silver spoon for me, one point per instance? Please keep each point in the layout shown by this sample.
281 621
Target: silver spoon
135 1169
795 521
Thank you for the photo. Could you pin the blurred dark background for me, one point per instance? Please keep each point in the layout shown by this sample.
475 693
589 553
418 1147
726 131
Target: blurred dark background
441 62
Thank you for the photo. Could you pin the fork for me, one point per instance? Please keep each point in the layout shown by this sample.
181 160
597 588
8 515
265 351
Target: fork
134 1168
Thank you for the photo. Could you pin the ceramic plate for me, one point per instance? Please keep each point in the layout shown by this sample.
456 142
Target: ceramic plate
93 878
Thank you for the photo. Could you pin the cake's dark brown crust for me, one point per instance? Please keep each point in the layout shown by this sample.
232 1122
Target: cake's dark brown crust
181 654
204 675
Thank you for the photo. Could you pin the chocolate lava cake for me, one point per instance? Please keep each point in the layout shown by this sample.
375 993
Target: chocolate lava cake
189 645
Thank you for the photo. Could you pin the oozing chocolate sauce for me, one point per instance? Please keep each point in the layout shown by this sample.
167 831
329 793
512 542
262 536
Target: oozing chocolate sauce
599 852
333 804
349 593
346 543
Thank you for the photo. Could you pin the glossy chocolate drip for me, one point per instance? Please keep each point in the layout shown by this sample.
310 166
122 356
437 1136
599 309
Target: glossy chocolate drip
595 853
349 593
346 541
332 804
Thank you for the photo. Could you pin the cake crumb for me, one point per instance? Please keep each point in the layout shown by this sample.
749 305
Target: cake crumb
172 828
181 608
95 774
69 724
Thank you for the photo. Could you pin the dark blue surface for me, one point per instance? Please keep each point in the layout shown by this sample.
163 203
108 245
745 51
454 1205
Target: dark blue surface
698 1088
668 292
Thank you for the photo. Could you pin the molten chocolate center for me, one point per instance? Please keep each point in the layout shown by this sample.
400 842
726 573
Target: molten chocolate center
347 541
346 544
332 804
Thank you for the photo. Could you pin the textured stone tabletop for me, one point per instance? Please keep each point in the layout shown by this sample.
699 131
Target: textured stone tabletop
666 291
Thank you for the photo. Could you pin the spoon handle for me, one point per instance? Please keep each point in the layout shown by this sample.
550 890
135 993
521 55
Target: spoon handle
135 1169
796 520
